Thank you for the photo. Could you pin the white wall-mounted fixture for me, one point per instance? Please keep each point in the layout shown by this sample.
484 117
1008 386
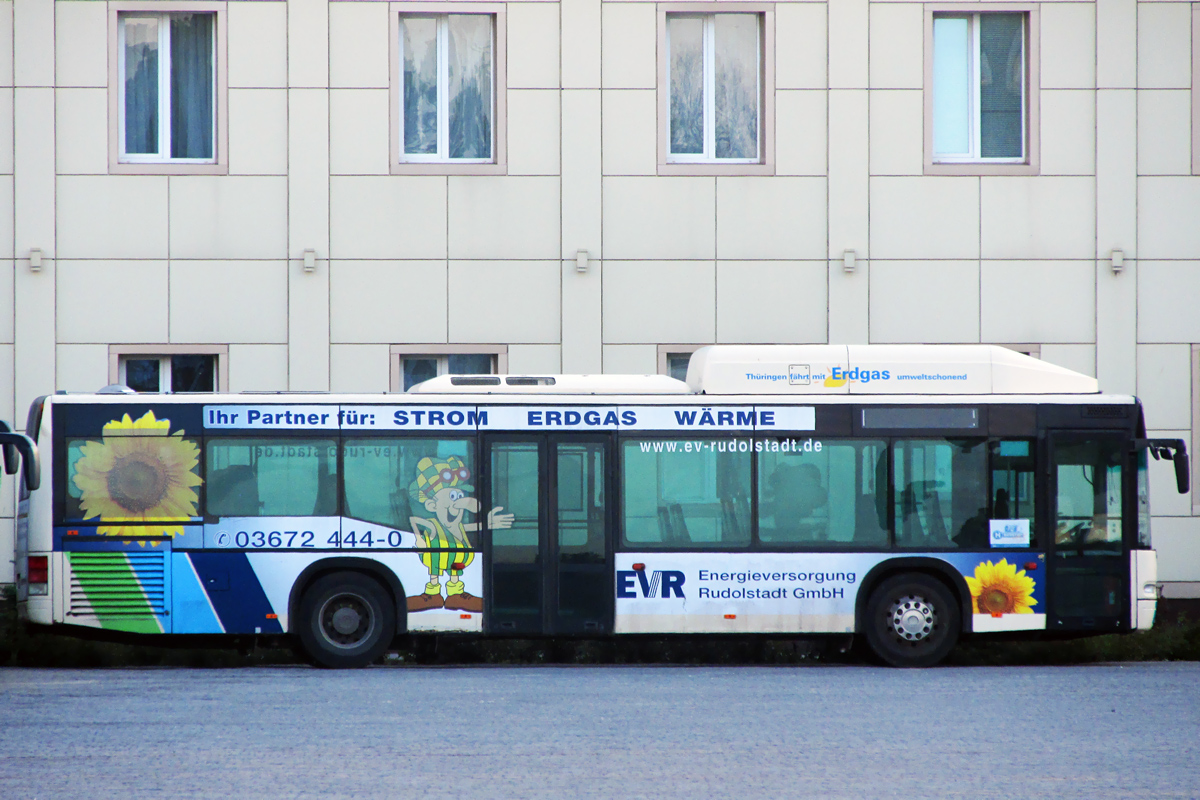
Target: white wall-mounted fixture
35 259
848 260
310 260
1118 260
581 260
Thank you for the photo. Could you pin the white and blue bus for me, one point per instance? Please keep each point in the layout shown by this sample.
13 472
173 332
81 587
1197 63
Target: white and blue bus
906 494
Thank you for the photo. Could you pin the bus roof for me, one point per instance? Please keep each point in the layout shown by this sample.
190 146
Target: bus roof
809 370
878 369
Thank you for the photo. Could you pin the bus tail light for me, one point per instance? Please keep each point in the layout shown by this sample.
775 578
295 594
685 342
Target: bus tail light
39 574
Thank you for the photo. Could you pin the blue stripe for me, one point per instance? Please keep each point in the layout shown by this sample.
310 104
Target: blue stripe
235 593
189 603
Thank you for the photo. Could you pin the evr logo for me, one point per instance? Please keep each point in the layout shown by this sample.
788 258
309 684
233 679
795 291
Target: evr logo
669 580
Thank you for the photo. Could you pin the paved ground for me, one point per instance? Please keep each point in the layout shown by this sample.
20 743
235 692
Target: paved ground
1118 731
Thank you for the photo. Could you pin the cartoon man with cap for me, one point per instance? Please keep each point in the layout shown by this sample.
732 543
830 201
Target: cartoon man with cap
441 487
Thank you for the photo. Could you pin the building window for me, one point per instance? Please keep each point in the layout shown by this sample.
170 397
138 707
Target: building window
449 106
412 364
714 70
168 96
167 89
175 373
716 98
981 92
673 359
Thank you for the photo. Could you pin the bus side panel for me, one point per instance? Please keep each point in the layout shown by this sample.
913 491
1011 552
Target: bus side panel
1143 589
236 592
802 592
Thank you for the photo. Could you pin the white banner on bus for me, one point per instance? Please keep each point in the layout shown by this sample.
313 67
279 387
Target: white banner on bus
272 416
412 418
540 418
511 418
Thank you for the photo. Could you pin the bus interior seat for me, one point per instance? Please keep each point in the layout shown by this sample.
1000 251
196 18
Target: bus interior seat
678 524
233 492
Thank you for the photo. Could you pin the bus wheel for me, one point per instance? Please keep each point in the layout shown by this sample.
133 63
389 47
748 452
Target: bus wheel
912 621
346 620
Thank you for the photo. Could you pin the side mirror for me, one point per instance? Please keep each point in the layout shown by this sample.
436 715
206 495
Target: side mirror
10 451
1182 471
17 442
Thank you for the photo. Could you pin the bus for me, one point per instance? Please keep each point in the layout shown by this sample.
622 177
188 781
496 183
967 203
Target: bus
907 495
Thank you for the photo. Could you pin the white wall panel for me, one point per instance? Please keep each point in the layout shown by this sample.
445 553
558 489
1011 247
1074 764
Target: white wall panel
355 368
358 45
771 218
387 302
111 301
387 217
897 132
1164 52
359 131
1062 310
504 302
80 368
81 44
533 45
222 302
112 216
800 49
1068 46
1167 211
80 131
924 302
663 301
258 367
1068 132
1166 297
258 131
533 132
504 217
630 32
226 216
800 132
535 359
258 42
1038 217
1164 383
897 45
1164 132
630 137
659 217
925 217
771 302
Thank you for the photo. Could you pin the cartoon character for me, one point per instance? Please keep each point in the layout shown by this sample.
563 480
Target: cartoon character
442 488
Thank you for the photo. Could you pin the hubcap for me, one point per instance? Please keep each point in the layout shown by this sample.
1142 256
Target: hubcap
912 618
346 620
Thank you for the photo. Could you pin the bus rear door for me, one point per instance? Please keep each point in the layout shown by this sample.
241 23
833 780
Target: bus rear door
551 572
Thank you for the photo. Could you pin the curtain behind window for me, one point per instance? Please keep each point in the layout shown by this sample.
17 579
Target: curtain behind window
141 85
1002 77
192 86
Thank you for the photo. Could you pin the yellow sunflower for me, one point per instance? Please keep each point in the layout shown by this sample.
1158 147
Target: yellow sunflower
139 472
1001 589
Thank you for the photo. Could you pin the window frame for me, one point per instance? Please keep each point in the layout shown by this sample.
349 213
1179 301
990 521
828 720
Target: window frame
1195 437
402 165
765 165
119 164
118 353
399 352
665 351
1031 164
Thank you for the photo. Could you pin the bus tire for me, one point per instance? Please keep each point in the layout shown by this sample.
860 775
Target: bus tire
346 620
912 620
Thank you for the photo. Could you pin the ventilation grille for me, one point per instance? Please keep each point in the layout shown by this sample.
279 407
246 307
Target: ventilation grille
118 584
462 380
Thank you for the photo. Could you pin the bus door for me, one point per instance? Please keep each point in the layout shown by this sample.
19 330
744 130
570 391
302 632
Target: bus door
550 572
1089 569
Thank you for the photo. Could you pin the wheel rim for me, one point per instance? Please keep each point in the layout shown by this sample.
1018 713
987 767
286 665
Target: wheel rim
346 620
912 618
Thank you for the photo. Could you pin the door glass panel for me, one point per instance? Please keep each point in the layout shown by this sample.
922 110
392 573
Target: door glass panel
581 503
1088 502
515 488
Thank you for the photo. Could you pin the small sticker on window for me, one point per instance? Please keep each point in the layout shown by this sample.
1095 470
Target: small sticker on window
1009 533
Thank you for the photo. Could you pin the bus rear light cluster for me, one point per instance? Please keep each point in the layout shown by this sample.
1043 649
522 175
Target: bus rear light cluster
39 574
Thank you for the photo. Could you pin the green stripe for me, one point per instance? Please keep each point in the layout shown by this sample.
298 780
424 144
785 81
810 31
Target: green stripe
117 597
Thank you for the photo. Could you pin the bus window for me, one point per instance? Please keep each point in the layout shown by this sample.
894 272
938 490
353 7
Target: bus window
1013 468
379 472
820 494
685 494
144 477
941 493
282 477
1088 503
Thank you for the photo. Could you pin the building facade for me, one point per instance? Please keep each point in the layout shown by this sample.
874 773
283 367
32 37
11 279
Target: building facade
350 195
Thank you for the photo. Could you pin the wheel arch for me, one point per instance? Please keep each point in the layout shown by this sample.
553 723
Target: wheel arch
374 569
933 567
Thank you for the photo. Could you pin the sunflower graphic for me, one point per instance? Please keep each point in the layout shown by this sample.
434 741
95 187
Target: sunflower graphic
1001 589
139 472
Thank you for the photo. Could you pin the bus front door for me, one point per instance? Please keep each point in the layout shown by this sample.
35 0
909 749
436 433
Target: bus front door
1089 571
550 571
